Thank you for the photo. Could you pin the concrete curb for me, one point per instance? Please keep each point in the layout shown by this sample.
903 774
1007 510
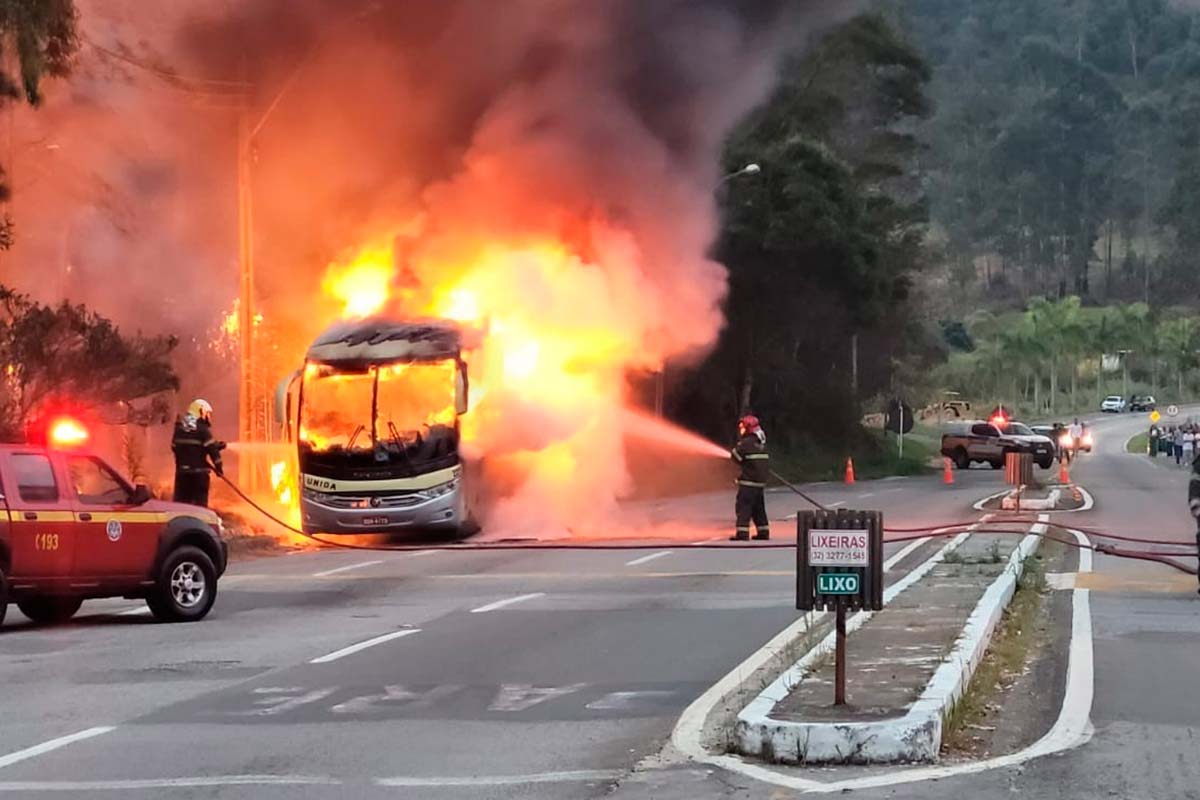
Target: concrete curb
917 736
1010 503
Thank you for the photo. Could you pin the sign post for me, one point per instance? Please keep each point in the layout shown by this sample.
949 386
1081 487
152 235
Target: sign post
839 568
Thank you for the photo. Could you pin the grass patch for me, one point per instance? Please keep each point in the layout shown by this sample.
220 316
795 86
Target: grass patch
1005 659
876 455
1138 444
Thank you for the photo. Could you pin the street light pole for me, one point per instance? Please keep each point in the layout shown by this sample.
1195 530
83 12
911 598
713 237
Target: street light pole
660 377
1124 354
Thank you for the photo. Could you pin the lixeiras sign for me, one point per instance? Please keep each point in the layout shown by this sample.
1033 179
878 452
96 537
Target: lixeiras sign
838 548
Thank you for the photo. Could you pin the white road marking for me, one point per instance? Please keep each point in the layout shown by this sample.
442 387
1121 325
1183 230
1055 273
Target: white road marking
53 744
360 565
211 781
521 598
134 612
713 539
520 696
622 701
835 505
278 700
644 559
568 776
900 554
423 553
167 783
865 495
355 648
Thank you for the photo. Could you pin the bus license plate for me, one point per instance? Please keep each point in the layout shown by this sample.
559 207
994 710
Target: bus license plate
375 520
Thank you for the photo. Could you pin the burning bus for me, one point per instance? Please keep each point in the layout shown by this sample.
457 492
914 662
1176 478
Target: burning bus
374 415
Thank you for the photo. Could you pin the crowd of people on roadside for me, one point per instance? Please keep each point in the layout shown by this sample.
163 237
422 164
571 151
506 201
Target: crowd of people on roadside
1179 441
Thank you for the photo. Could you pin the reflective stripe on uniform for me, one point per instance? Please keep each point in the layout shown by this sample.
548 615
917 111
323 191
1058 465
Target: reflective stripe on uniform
188 441
751 484
743 528
736 455
758 456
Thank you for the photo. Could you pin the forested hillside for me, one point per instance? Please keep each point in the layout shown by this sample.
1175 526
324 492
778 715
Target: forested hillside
1064 154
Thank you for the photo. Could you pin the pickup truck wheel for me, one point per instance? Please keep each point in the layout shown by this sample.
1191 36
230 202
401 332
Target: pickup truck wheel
186 586
997 464
961 460
50 610
1045 463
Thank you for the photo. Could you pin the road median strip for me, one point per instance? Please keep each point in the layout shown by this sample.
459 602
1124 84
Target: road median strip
898 718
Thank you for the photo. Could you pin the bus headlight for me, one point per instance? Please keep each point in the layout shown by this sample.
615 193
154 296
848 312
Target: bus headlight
441 490
315 496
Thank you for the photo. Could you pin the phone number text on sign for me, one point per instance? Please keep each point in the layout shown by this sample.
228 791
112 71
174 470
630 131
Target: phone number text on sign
845 548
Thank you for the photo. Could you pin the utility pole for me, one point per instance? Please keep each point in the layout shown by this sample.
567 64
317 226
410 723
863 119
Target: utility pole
248 396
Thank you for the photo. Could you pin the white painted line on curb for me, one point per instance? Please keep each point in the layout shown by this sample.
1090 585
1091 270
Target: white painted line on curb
504 603
423 553
644 559
360 565
53 744
568 776
354 648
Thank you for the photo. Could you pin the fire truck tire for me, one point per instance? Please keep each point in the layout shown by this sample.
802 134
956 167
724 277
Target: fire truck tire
186 587
48 610
3 595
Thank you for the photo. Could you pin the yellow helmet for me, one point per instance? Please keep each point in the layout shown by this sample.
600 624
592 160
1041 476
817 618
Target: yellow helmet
200 409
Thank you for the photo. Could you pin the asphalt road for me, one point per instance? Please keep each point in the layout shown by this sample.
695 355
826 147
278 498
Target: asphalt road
538 674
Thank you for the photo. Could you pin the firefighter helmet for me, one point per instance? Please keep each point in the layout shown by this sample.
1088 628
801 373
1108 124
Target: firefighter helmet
748 424
200 409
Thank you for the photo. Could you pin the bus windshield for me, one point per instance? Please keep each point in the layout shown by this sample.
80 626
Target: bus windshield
336 411
398 413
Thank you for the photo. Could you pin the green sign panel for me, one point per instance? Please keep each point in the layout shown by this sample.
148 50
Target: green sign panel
837 583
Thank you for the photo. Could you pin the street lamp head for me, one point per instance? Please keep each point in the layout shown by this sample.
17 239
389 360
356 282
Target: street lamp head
751 169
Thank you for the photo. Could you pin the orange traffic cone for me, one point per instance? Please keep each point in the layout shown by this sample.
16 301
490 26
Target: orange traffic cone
849 471
947 472
1063 476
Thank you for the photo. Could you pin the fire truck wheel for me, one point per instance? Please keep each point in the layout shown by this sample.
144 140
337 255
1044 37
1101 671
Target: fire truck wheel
186 587
3 595
50 610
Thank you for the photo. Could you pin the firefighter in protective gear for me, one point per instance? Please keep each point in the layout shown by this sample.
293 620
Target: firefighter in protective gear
1194 496
196 452
751 455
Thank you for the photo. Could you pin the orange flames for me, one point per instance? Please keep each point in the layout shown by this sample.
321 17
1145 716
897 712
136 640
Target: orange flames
363 285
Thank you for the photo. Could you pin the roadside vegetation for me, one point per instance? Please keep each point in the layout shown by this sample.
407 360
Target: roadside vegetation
996 199
1138 444
1009 651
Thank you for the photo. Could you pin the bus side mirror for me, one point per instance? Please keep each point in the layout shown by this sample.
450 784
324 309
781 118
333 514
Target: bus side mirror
462 390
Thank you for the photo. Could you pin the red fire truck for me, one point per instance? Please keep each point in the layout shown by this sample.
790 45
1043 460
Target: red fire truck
71 528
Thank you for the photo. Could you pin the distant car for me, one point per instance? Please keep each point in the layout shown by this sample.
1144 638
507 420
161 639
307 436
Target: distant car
1043 447
1113 404
968 442
1060 431
1142 402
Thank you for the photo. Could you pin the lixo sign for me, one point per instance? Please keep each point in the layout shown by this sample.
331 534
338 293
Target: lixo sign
839 567
844 583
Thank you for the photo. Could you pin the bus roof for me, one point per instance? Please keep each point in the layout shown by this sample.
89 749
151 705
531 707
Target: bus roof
379 340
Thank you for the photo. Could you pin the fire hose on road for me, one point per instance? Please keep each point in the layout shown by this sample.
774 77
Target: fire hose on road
905 535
